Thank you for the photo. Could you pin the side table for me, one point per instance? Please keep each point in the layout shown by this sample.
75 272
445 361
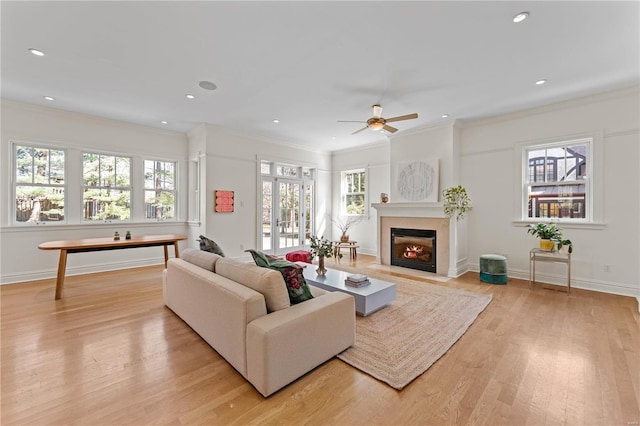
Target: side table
537 255
351 245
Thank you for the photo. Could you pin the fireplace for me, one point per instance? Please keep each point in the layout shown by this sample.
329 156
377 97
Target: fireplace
414 248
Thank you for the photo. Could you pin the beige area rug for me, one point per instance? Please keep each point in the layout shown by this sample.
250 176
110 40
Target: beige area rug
401 341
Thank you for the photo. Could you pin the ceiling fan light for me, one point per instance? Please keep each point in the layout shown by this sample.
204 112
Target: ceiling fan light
375 126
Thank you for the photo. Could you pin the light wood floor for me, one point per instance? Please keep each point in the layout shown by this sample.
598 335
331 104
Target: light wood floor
110 353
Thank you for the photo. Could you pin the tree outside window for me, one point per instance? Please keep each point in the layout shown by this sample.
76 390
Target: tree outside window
39 184
159 189
353 192
106 187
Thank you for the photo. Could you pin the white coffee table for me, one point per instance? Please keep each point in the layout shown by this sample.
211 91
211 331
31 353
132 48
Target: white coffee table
368 299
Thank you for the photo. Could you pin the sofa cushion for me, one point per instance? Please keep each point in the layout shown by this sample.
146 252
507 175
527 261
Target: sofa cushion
203 259
209 245
265 281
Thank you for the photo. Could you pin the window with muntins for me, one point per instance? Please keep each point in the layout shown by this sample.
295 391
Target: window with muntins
353 192
557 180
106 187
159 189
39 184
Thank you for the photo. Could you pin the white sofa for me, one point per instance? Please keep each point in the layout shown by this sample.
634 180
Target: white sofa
242 311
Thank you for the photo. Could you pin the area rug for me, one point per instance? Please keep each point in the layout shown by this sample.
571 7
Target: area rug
401 341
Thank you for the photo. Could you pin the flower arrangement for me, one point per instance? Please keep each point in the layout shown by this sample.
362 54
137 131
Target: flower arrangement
456 202
345 225
321 247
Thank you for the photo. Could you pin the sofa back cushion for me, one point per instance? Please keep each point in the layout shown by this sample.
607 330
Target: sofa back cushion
200 258
265 281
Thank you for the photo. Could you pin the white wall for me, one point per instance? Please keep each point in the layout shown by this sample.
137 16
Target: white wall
232 160
20 259
376 160
492 178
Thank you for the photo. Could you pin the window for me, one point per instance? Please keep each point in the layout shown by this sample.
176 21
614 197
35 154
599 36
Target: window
159 189
106 187
353 192
39 184
557 180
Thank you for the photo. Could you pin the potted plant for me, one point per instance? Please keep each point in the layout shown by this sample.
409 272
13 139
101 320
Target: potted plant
456 202
345 225
550 235
321 248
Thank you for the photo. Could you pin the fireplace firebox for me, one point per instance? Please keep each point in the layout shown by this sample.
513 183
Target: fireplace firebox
414 248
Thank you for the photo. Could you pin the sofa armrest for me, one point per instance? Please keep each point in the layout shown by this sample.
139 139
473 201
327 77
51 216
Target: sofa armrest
286 344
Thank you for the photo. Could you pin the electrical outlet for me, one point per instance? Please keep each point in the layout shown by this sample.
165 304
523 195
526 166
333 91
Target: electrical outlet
607 268
241 247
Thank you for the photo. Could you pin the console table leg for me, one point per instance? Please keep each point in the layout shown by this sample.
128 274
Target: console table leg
166 255
175 246
62 266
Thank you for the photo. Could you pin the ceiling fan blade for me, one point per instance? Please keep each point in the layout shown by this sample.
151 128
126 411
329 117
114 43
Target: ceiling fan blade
402 117
377 111
389 129
349 121
358 131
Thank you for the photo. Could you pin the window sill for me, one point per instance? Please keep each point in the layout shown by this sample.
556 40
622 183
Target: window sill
100 225
563 225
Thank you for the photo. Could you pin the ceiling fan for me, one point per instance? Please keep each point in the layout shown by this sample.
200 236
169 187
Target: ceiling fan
377 122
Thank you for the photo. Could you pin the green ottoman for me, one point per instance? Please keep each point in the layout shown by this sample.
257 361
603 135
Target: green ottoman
493 269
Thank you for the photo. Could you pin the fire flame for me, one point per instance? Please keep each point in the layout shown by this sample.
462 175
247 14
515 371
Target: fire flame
415 249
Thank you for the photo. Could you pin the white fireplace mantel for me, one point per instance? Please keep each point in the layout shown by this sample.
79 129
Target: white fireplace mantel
452 259
435 210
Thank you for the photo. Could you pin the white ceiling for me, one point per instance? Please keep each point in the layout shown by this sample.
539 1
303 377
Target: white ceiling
310 64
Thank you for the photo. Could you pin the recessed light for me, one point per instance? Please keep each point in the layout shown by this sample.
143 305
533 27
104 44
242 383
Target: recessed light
48 98
521 17
164 122
445 115
276 121
207 85
190 96
542 81
333 138
36 52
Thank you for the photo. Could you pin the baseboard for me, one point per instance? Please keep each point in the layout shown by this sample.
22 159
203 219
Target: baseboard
576 282
77 270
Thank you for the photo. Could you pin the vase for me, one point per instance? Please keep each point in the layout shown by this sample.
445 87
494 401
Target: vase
321 270
344 238
547 245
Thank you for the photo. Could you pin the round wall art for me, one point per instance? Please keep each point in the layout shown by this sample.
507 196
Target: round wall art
418 180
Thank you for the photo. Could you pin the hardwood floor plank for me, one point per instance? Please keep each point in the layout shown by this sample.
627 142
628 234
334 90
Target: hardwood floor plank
111 353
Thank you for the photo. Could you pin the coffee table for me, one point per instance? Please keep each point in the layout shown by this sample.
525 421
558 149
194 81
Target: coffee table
368 299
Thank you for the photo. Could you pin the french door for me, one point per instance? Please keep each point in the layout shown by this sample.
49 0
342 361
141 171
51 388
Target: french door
286 214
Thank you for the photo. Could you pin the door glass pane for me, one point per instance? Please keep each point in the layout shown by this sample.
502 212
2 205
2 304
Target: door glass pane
308 209
267 225
289 225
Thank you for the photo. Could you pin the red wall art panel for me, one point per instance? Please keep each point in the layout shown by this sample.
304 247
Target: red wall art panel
223 201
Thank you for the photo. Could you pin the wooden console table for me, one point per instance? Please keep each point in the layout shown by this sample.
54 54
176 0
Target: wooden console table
100 244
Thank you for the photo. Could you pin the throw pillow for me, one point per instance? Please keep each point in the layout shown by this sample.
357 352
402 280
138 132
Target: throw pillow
296 285
259 257
209 245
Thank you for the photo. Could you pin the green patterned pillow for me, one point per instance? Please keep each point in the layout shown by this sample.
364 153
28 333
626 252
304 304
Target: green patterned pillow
296 285
259 257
